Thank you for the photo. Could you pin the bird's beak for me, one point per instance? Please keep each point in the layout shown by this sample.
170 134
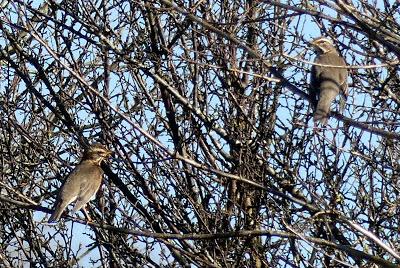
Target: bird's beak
106 156
313 43
106 153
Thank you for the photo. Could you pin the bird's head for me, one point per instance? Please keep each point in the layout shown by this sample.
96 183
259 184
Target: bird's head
96 152
322 45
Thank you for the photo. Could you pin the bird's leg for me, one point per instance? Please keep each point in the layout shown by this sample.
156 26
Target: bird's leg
86 214
316 128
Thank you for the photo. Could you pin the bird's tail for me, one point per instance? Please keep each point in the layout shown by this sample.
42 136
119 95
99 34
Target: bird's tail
328 92
58 210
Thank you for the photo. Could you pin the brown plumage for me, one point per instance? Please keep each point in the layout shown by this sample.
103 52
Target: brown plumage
326 82
83 182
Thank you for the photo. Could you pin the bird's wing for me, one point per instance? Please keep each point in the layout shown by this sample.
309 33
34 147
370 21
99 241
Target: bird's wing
88 186
70 188
67 194
337 75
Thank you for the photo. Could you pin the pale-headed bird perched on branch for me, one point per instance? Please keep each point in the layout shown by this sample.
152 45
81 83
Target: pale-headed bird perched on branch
83 182
326 82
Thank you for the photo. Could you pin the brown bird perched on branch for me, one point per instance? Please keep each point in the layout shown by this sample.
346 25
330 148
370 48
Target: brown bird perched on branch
326 82
83 182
